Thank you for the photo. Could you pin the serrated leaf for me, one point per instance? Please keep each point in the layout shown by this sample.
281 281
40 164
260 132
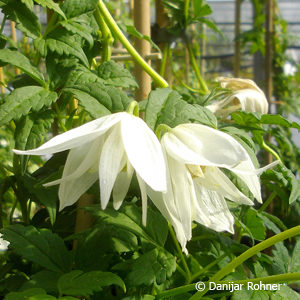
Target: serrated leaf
250 295
129 217
166 106
134 32
77 283
90 104
45 196
246 119
80 29
255 225
74 8
281 259
40 246
295 262
30 131
115 75
98 99
82 76
144 297
63 43
154 266
46 280
29 3
286 293
31 294
24 17
51 5
24 99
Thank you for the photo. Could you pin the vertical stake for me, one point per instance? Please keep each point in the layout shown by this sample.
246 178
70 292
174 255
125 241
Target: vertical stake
237 42
142 24
269 8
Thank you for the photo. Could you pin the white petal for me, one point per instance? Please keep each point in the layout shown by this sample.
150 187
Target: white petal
112 161
236 84
79 161
121 186
165 209
70 191
181 182
215 180
144 199
211 147
251 180
144 152
75 137
251 101
218 212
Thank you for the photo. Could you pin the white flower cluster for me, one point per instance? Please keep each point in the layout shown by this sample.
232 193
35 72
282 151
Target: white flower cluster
181 174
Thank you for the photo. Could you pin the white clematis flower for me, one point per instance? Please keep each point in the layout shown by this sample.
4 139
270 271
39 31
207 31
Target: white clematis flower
3 243
109 148
197 188
246 96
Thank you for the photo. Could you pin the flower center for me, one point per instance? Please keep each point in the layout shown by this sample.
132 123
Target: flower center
196 170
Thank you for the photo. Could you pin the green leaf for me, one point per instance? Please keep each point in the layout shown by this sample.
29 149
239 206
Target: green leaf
74 8
134 32
129 217
295 262
51 5
154 266
24 17
144 297
98 99
246 119
281 259
63 43
80 29
166 106
40 246
107 239
45 279
115 75
201 10
286 180
29 3
22 100
250 295
31 294
30 132
46 196
77 283
286 293
83 76
255 225
90 104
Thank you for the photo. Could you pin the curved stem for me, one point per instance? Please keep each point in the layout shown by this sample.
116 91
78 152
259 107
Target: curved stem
269 149
133 108
270 279
267 202
160 129
186 10
202 83
186 268
249 253
164 60
116 30
107 38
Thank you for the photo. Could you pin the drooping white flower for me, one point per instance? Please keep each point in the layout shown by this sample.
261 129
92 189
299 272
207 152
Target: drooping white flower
3 243
197 188
109 148
246 96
